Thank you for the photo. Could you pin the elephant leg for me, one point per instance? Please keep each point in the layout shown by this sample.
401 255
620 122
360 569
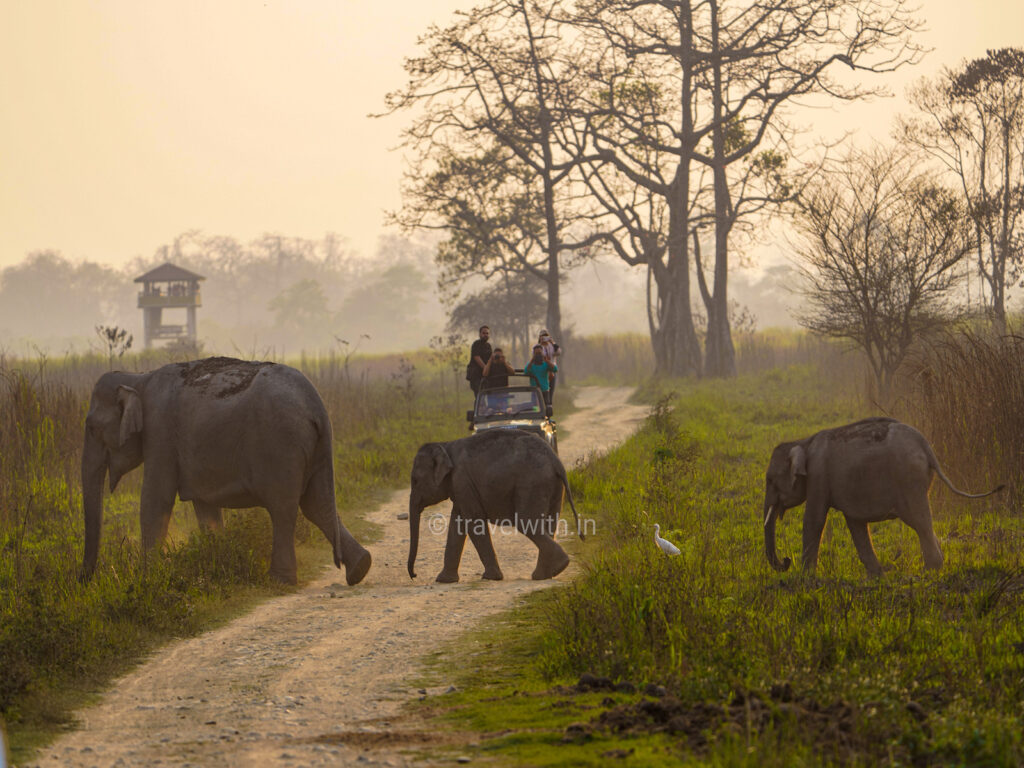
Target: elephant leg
862 541
480 535
318 505
551 558
209 516
282 554
815 513
157 503
457 526
919 518
354 556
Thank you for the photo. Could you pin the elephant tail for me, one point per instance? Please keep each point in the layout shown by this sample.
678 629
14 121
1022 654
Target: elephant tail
568 492
934 463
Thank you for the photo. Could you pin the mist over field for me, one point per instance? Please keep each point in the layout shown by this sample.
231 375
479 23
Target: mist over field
278 296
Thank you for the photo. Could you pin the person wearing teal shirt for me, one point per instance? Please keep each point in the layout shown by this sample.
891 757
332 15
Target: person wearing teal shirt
538 370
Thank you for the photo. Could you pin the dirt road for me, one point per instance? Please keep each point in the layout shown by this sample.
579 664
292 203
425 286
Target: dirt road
319 677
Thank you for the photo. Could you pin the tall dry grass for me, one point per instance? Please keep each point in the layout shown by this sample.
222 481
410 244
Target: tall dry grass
965 391
629 359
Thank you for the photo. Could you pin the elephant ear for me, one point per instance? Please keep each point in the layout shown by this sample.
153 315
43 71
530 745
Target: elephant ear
131 412
797 463
442 465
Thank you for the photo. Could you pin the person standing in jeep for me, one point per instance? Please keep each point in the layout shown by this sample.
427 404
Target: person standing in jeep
540 370
551 351
479 354
496 371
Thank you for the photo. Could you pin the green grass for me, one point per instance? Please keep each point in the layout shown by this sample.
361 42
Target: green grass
762 668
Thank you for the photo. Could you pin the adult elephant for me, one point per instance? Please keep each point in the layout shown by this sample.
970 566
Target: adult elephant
502 476
871 470
219 433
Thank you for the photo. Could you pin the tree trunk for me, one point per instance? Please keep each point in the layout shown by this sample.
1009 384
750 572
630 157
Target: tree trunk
554 308
677 349
720 355
673 337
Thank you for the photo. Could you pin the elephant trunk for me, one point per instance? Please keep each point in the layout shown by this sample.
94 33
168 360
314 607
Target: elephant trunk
415 510
94 470
770 514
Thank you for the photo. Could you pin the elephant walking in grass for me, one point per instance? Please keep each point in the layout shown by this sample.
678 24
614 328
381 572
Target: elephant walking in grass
219 433
872 470
502 476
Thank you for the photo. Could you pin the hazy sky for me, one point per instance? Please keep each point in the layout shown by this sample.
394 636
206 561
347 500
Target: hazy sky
124 123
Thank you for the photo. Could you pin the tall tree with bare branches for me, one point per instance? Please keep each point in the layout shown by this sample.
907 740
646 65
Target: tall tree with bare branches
971 119
762 56
492 165
689 106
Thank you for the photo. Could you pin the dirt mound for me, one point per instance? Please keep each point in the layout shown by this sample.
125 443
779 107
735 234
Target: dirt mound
835 723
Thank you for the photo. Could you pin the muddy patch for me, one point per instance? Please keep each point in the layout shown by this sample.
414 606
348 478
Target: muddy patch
225 375
834 724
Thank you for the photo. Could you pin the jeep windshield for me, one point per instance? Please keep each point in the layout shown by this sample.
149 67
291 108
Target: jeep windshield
520 402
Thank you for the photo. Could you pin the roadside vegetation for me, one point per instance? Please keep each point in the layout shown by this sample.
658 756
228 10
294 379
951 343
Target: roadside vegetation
61 640
712 658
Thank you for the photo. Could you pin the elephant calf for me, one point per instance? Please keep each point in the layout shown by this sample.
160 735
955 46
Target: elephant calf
219 433
502 476
871 470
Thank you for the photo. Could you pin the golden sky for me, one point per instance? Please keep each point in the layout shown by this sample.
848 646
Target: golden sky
126 122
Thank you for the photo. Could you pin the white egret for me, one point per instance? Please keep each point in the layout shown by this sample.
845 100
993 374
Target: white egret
666 546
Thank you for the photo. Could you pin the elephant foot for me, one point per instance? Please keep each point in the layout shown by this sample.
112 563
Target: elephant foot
354 573
493 574
541 573
447 578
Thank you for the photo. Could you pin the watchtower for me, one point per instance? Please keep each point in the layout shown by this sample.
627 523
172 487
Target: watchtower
169 287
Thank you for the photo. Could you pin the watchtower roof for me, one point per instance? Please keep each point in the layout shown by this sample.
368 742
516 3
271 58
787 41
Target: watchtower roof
167 272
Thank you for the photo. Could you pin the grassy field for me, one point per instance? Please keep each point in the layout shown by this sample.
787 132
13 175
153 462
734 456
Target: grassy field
61 640
748 666
744 666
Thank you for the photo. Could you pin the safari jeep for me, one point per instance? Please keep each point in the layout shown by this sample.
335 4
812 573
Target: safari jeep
513 407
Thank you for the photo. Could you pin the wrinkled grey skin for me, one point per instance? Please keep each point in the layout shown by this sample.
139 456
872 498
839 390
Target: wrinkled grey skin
219 433
872 470
518 479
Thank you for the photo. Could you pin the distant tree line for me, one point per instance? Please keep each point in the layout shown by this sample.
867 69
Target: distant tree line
274 294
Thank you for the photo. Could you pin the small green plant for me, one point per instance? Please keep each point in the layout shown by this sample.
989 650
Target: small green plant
447 353
116 340
350 349
403 382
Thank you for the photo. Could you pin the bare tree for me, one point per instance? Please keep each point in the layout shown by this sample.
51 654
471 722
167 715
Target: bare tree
490 165
685 89
762 56
972 120
881 248
640 119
